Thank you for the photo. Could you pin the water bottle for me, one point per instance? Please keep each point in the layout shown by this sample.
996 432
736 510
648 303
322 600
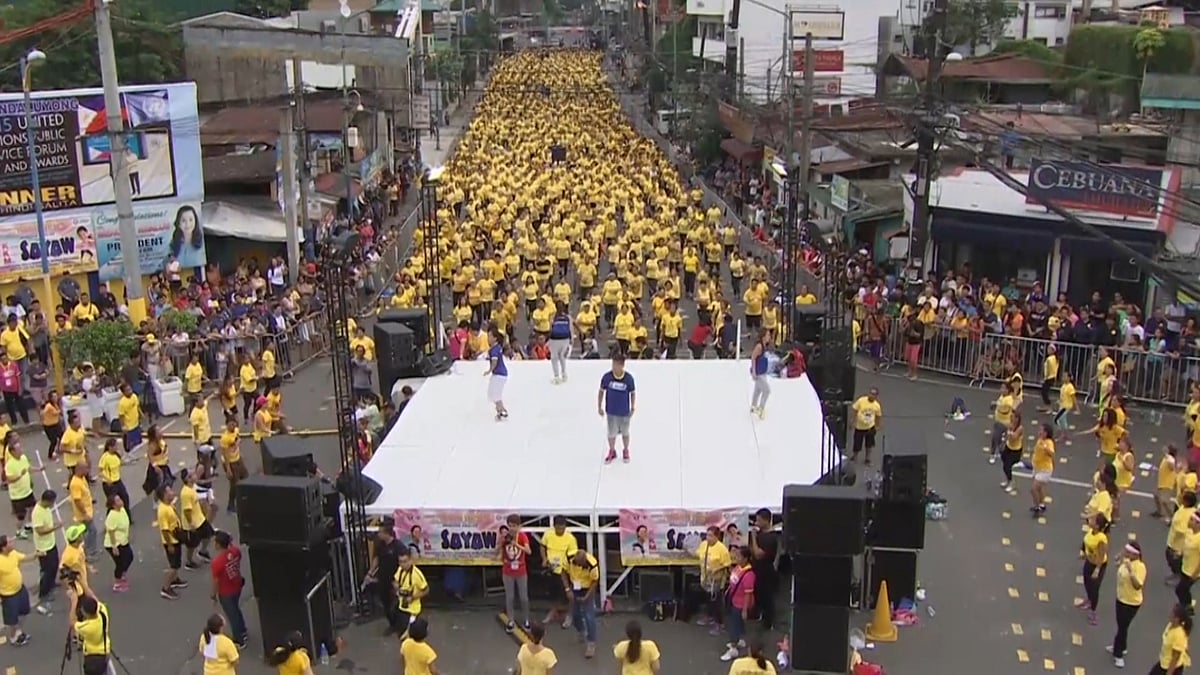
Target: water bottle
324 655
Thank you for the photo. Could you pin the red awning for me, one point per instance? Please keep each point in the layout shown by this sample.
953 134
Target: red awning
743 152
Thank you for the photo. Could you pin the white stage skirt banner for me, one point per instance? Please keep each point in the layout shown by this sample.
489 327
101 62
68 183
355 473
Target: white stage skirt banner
672 536
452 537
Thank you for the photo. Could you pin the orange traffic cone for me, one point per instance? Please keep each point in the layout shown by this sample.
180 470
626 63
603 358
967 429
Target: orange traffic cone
881 628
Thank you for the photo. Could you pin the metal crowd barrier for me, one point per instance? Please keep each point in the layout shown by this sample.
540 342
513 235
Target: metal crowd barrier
1143 376
303 341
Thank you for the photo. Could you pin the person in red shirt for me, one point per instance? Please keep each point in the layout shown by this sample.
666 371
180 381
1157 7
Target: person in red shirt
514 557
698 340
227 583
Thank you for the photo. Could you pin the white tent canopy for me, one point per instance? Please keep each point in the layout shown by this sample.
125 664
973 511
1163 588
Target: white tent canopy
231 220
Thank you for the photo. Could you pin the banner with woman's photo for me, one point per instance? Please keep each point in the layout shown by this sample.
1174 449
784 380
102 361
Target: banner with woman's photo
451 537
672 536
165 230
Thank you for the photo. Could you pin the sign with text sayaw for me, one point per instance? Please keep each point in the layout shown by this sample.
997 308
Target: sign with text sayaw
824 60
451 537
70 247
1109 188
822 24
672 536
164 229
73 148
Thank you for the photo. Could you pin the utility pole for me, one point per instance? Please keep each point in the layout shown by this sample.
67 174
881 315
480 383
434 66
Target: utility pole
287 161
135 296
732 51
928 120
741 73
299 147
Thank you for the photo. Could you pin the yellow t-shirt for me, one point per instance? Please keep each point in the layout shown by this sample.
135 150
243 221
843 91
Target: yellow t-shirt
116 528
220 655
42 518
1100 502
110 467
1004 409
867 413
713 558
1092 541
23 486
268 363
748 666
1127 573
193 378
418 657
94 633
1191 554
1174 639
231 450
249 378
1109 437
129 411
1066 396
583 577
643 666
559 548
157 452
1043 455
536 663
167 522
72 446
81 499
298 662
1124 474
189 506
201 426
74 558
10 342
1180 527
262 425
411 581
1166 473
11 580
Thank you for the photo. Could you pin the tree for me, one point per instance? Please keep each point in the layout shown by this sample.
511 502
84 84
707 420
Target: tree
148 50
481 41
446 67
977 23
1146 42
104 344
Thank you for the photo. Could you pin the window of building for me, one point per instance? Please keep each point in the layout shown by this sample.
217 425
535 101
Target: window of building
711 30
1058 42
1040 41
1049 11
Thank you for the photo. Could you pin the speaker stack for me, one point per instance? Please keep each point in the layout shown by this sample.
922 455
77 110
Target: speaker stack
284 527
404 347
896 533
824 528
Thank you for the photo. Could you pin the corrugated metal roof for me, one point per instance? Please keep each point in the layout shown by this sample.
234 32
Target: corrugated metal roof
1171 87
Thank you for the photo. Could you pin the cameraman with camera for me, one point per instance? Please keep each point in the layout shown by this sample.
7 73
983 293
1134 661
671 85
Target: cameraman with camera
91 630
410 587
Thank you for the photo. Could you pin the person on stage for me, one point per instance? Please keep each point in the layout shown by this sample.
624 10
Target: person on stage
759 374
560 343
497 372
615 402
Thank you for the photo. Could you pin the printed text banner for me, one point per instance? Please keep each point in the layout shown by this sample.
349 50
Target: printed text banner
74 151
672 536
451 537
164 229
70 247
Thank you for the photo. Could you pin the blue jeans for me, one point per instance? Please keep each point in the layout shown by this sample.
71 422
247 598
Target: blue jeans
583 616
232 608
735 624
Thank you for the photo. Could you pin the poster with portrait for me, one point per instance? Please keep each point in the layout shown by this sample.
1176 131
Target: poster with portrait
451 537
70 247
165 230
672 536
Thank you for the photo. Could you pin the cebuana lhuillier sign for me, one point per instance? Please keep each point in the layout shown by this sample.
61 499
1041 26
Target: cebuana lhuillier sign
1108 188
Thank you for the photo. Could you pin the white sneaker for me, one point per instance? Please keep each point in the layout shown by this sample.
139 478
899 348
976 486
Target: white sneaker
1119 663
1108 649
556 380
42 609
992 459
730 654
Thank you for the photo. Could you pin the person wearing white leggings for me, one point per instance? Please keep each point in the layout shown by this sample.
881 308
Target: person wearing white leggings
560 343
758 372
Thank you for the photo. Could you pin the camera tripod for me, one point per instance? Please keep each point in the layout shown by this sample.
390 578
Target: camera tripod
111 658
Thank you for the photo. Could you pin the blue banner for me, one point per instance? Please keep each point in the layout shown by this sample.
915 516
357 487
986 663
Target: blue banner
165 230
1107 188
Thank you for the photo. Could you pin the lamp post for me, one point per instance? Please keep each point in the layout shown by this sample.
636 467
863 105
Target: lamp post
351 110
34 58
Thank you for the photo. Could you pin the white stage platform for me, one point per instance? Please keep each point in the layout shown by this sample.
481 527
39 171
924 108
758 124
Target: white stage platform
695 445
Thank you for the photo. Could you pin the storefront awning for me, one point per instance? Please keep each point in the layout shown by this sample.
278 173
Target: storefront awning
999 231
741 151
230 220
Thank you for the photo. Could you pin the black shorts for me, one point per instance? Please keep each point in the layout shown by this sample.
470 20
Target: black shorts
863 438
174 559
194 537
95 664
14 607
21 507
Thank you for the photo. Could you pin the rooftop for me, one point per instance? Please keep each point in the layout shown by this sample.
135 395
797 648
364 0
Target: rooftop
1010 68
260 123
240 168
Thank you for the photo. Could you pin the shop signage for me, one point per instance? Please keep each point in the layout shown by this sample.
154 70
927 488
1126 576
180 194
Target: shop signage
821 24
706 7
421 112
839 193
827 86
1118 189
824 60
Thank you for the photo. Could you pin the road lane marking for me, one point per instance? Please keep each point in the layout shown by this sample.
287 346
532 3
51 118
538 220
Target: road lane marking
1082 484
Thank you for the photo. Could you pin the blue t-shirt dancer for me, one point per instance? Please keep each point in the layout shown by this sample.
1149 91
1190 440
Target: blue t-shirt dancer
615 402
497 373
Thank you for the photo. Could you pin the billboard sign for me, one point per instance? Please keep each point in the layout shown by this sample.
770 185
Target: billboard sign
74 150
421 114
827 86
70 247
824 24
839 193
1117 189
164 229
706 7
824 61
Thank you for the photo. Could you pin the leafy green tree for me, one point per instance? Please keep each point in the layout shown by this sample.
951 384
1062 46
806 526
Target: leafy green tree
479 45
104 344
977 23
1146 42
148 50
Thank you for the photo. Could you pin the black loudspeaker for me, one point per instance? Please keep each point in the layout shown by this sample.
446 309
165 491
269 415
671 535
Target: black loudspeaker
898 569
808 323
820 639
897 525
331 504
558 153
825 520
434 364
286 455
356 487
396 354
279 570
280 615
831 367
822 580
277 510
837 421
905 476
415 320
